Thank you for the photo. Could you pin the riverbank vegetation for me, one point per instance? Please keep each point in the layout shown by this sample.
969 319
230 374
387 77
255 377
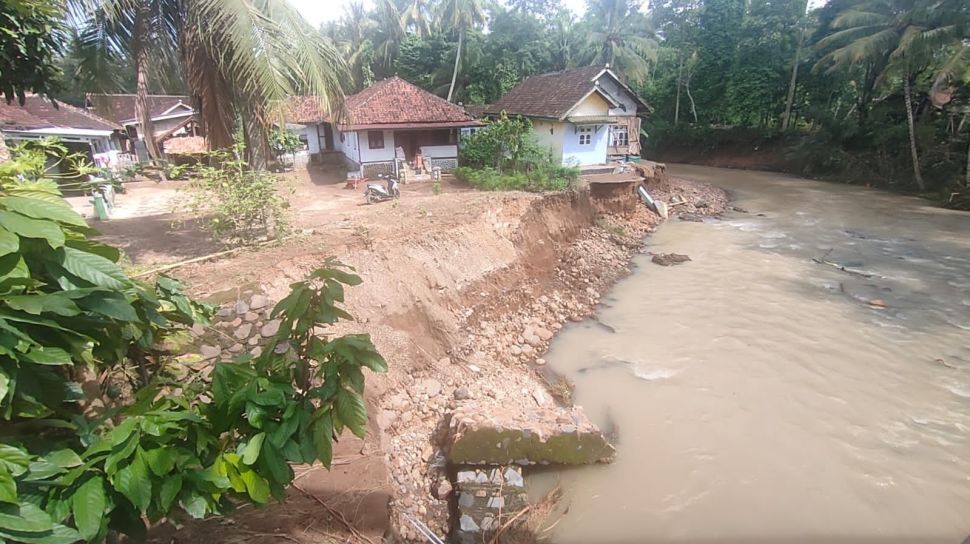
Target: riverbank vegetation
505 155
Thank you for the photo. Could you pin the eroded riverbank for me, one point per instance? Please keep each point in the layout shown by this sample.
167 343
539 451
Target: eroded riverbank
762 396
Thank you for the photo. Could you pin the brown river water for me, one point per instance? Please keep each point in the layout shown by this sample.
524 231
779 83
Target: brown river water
759 397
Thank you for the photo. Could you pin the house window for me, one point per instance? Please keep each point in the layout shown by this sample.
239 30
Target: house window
585 135
375 138
620 137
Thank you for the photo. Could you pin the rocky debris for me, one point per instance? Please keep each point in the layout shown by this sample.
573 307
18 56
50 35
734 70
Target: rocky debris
209 352
241 308
739 209
270 328
258 302
462 393
669 259
691 217
487 499
544 435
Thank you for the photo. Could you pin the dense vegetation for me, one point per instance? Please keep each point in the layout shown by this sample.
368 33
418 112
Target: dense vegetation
103 428
854 90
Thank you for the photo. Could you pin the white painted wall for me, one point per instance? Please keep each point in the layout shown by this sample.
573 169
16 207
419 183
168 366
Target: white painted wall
574 154
312 141
348 146
550 135
439 151
384 154
594 104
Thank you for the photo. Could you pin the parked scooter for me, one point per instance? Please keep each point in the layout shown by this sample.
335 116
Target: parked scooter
378 193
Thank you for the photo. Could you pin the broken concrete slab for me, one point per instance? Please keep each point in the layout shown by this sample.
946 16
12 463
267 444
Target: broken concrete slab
487 499
546 435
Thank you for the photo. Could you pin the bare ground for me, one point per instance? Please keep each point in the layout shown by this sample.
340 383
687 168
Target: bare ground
452 285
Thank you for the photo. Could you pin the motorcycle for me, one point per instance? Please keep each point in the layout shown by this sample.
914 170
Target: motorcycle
378 193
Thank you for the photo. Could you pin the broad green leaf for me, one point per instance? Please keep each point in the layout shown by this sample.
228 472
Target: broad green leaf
43 209
251 453
256 486
90 246
48 356
169 490
161 461
196 506
9 242
134 483
64 458
272 460
110 304
28 227
15 459
88 505
58 534
351 411
8 487
55 303
4 385
255 415
27 518
322 435
93 268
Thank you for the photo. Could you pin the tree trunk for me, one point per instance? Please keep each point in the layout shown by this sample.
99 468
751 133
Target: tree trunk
966 184
693 107
454 75
789 103
142 112
908 94
680 70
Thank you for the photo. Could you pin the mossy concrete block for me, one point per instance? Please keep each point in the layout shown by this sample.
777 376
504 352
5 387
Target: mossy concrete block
547 436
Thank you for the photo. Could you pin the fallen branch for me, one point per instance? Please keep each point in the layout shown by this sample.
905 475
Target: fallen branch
193 260
842 268
336 515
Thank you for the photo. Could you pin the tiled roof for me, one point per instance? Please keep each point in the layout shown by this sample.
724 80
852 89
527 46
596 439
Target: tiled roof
396 102
303 110
121 107
553 95
477 110
38 112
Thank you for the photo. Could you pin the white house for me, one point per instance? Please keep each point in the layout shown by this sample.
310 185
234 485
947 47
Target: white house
79 130
172 115
387 125
586 116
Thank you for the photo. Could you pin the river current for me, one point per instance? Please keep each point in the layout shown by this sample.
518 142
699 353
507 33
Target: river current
761 396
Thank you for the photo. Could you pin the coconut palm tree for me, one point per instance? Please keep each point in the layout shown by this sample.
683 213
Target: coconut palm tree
901 39
415 17
460 16
620 36
238 59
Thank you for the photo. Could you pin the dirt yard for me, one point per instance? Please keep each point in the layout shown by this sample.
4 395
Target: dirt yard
462 293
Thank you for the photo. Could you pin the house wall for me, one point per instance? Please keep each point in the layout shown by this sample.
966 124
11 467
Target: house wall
161 125
574 154
550 135
593 104
383 154
312 140
628 105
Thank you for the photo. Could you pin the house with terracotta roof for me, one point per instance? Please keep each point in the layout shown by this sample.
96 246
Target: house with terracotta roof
172 114
387 125
585 116
79 130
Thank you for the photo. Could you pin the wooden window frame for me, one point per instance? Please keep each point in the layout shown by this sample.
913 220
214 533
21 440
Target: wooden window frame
375 137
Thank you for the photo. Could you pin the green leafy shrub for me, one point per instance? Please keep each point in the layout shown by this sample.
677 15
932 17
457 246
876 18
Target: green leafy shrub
190 444
505 156
241 205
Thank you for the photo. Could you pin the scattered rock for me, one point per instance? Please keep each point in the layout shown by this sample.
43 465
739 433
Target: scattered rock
444 361
198 329
544 334
236 348
540 362
241 308
443 491
270 328
462 393
209 352
256 351
243 331
739 209
258 301
251 316
430 387
691 217
701 204
669 259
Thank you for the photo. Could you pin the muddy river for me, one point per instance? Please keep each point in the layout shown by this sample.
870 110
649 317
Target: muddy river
760 396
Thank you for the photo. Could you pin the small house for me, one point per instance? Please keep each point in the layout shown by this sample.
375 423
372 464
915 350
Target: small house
586 116
172 115
385 127
77 129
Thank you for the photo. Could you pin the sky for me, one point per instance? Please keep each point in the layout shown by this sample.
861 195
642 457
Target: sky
318 11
